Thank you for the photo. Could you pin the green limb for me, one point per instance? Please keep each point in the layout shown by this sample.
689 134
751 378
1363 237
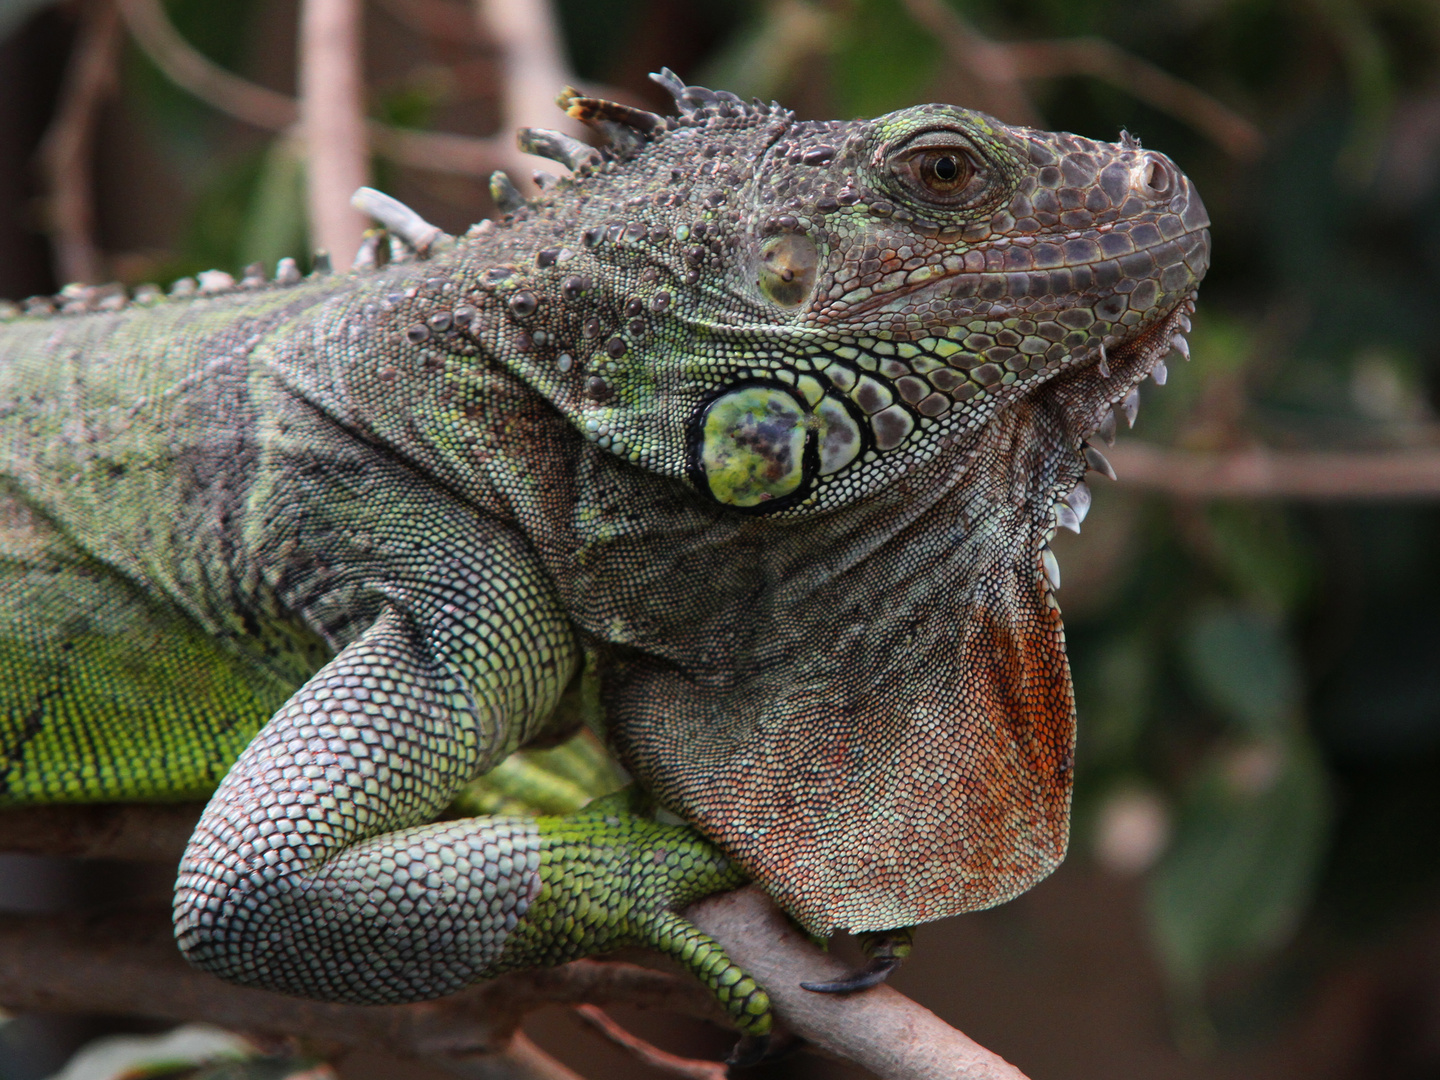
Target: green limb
610 878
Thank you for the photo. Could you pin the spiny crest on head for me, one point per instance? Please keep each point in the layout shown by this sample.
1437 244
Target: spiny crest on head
627 129
698 103
624 128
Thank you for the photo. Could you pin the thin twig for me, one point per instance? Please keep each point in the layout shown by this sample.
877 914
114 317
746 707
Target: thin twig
879 1029
638 1048
207 80
527 35
67 152
521 1060
1280 474
332 117
1106 61
991 74
271 111
983 69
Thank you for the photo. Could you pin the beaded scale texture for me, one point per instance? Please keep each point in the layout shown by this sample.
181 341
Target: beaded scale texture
767 424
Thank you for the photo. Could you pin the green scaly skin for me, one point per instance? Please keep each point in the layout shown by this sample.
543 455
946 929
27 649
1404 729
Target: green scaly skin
765 423
593 899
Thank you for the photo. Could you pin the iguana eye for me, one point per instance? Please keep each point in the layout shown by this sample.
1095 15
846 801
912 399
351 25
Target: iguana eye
938 169
941 172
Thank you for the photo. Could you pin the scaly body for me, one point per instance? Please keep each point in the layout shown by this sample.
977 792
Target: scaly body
769 422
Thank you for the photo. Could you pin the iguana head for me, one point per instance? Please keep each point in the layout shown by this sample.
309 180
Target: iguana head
829 304
873 352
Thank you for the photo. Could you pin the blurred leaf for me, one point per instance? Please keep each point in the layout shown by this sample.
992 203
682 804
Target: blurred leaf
1242 663
1242 867
176 1052
276 223
1252 547
14 12
1116 687
763 57
884 60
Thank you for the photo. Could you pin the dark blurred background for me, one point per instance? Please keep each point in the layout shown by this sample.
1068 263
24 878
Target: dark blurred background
1254 883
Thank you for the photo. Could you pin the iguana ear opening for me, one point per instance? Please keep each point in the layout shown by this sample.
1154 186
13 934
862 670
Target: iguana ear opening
788 265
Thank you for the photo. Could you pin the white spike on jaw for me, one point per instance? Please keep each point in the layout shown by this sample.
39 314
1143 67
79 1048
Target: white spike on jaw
1179 344
1079 500
1130 406
1183 321
286 272
1099 462
1051 566
399 219
1066 517
1107 427
1160 373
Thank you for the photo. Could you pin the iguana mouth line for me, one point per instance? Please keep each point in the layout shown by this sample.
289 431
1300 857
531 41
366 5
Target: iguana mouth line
948 280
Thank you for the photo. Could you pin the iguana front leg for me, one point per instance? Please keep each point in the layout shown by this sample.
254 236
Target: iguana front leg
311 874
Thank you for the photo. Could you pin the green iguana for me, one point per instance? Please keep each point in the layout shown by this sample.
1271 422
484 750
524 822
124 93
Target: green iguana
765 423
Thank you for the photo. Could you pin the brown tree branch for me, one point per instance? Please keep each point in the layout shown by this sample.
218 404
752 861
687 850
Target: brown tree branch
1260 473
532 54
201 76
879 1029
332 118
140 832
642 1051
992 73
521 1060
66 154
984 70
1106 61
264 108
127 964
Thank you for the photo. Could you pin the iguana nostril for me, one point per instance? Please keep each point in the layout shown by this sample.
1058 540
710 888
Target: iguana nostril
1153 177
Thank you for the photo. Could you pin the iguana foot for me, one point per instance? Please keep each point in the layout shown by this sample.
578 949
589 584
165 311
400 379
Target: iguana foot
611 877
887 949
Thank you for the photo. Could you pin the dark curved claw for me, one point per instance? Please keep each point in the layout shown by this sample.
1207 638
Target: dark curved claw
749 1051
872 974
